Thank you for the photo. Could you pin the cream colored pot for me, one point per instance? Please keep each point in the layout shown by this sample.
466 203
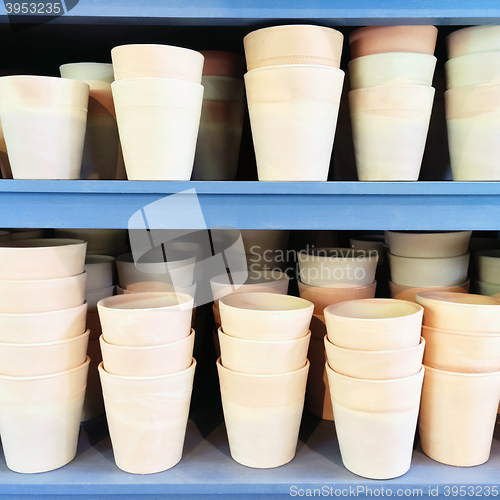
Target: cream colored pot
472 40
473 69
403 292
99 269
488 266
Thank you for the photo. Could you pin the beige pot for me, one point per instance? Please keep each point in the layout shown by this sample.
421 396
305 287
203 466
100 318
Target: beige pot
148 361
376 422
93 404
293 114
40 419
95 74
265 316
389 128
98 240
457 416
147 418
374 324
409 293
262 415
484 288
473 69
53 113
471 40
92 297
99 269
488 266
155 286
146 319
460 311
158 121
293 44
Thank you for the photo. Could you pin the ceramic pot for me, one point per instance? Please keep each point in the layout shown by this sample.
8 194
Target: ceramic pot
53 113
265 248
95 74
392 68
376 422
26 234
293 44
460 311
146 319
92 297
265 316
155 286
473 40
158 121
374 324
457 416
262 415
98 240
484 288
380 39
147 418
473 69
40 419
369 242
149 361
222 63
409 293
389 128
99 269
293 114
93 404
488 266
119 290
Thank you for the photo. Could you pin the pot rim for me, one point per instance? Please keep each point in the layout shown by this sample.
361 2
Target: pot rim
461 285
379 381
455 257
191 367
378 352
22 246
161 81
143 296
339 286
460 333
262 375
145 347
86 333
299 66
51 280
422 55
293 299
50 375
418 309
458 304
283 276
53 78
99 259
46 313
461 374
251 341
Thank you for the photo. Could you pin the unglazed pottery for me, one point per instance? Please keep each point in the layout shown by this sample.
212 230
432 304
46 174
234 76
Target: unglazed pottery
147 418
98 240
374 324
473 69
484 288
92 297
457 416
99 269
93 404
403 292
473 40
293 114
265 316
488 266
293 44
95 74
145 319
262 415
52 112
155 286
376 422
257 241
369 242
40 419
389 128
222 63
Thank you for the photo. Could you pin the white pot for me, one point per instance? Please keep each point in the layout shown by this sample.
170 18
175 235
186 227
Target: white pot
488 266
99 269
473 69
473 40
95 74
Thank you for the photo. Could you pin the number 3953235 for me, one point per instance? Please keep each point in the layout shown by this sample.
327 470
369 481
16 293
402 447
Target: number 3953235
34 8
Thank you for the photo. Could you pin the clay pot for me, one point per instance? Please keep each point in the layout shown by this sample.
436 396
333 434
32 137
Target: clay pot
380 39
155 286
158 121
156 61
473 69
265 316
262 415
392 68
293 44
457 416
460 311
369 242
488 266
374 324
40 419
93 404
484 288
53 113
473 40
409 293
41 259
293 114
95 74
147 418
376 422
389 127
99 269
222 63
265 248
92 297
145 319
99 241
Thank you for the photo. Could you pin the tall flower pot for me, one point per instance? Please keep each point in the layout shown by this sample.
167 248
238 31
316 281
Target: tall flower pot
472 40
147 418
100 270
99 241
40 419
403 292
262 415
158 121
293 114
93 404
376 422
43 121
488 266
389 127
473 69
457 416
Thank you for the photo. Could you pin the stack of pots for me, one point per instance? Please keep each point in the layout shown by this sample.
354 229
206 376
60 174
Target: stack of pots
428 261
293 89
99 241
43 352
487 267
461 390
329 276
265 250
158 98
374 352
263 372
390 72
473 103
147 377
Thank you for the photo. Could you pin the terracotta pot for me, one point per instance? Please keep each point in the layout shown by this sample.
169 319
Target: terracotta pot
293 114
93 404
369 242
472 40
155 286
156 61
460 311
262 415
27 234
98 240
488 266
409 293
40 419
380 39
147 418
293 44
41 259
374 324
99 269
148 361
376 422
389 127
473 69
146 319
457 416
265 316
92 297
392 68
222 63
484 288
53 112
